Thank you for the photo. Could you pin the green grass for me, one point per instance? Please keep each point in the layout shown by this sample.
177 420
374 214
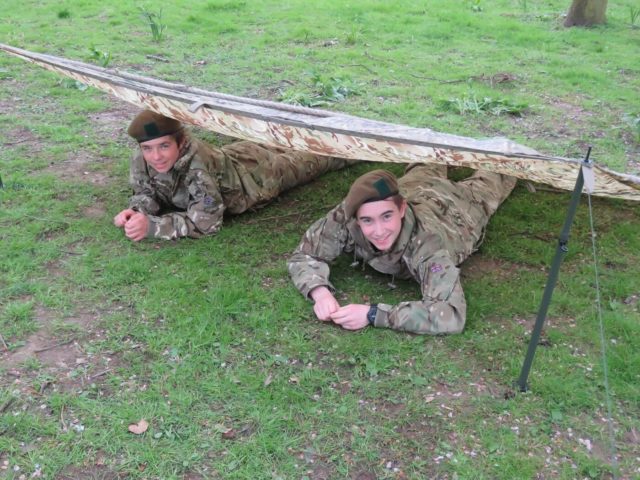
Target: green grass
209 342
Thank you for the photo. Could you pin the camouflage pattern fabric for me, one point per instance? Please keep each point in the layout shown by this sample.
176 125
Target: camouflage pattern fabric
190 199
443 225
334 134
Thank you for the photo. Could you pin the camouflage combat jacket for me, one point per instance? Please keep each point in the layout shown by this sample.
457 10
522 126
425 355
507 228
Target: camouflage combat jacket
206 182
443 225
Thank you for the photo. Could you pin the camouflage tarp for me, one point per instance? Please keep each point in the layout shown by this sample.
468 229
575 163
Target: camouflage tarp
327 133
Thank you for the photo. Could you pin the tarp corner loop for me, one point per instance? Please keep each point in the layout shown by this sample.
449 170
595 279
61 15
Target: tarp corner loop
589 177
196 105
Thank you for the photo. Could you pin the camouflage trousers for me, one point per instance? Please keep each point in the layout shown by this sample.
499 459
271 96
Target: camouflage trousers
460 209
266 172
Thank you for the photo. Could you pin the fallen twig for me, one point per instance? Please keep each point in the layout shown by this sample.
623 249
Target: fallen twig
532 235
4 344
285 215
9 144
158 58
64 425
377 60
43 387
99 374
437 79
6 404
51 347
61 222
442 382
362 66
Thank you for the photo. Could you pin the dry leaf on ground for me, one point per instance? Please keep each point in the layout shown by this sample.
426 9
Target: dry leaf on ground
139 428
229 434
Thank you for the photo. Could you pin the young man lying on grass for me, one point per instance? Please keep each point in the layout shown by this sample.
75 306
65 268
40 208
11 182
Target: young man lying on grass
421 226
182 186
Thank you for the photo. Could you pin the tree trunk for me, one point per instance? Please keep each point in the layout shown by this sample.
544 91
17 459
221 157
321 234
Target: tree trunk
585 13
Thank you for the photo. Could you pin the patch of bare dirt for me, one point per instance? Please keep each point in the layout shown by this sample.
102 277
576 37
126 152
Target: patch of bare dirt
22 137
316 466
631 142
107 127
6 106
59 350
632 436
570 110
90 472
81 167
568 122
364 475
633 166
194 476
477 266
54 269
43 347
49 233
12 103
562 323
98 210
321 472
113 123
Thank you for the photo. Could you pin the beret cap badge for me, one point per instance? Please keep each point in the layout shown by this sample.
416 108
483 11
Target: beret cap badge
148 125
151 129
370 187
382 188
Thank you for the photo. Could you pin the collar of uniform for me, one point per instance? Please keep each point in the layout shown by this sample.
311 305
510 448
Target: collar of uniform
397 250
186 155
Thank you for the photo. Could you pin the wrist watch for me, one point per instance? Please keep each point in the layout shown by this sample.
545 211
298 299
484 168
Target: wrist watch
371 314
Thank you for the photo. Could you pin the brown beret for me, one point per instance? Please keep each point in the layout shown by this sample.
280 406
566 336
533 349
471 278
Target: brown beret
149 125
370 187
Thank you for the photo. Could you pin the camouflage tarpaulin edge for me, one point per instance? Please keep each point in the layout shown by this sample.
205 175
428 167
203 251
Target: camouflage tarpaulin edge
328 133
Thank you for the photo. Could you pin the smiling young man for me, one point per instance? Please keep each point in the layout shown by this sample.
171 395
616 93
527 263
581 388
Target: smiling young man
421 226
182 187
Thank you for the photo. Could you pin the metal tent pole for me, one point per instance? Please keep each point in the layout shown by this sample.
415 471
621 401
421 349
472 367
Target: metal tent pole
561 250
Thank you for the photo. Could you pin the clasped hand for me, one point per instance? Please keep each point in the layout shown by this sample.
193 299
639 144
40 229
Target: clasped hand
135 224
327 308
